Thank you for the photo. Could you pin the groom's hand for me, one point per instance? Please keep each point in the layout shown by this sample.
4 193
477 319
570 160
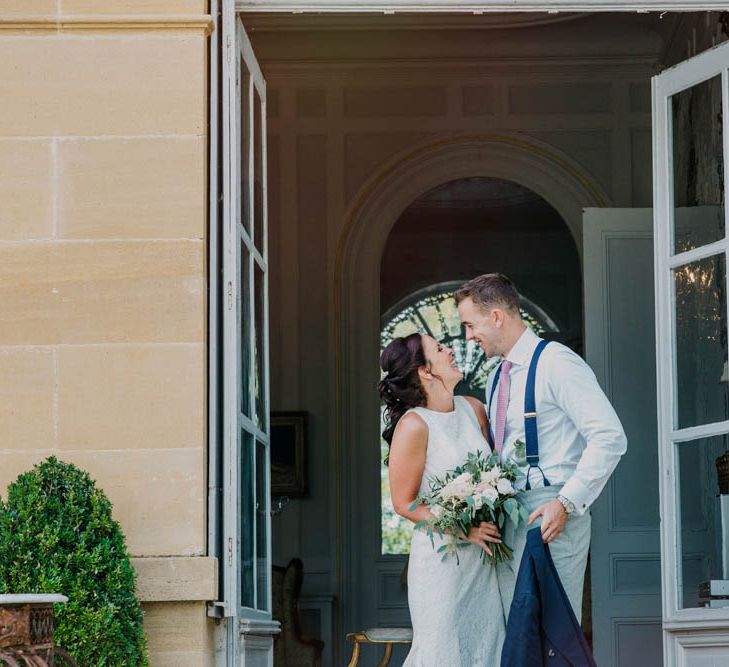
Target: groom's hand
554 518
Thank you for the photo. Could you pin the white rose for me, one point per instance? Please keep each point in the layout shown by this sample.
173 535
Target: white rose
490 494
462 490
482 486
461 487
491 476
504 487
478 502
464 477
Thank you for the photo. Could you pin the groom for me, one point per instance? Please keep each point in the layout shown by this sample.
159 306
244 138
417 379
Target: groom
578 437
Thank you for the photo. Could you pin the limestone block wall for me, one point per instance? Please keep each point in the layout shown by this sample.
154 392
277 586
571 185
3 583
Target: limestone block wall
103 187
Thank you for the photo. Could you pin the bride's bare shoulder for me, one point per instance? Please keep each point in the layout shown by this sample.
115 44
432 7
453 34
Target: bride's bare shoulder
411 425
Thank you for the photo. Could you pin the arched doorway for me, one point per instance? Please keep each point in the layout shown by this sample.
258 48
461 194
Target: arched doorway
357 299
458 230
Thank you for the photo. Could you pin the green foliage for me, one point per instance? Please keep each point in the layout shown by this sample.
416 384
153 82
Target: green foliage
397 532
57 535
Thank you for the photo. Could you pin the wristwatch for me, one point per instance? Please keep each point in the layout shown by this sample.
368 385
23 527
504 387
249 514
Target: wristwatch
568 505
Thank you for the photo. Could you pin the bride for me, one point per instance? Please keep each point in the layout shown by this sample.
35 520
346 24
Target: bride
456 610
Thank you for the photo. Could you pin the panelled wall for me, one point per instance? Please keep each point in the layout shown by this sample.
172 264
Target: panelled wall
351 97
103 189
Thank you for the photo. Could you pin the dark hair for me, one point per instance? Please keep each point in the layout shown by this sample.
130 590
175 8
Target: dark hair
401 388
490 290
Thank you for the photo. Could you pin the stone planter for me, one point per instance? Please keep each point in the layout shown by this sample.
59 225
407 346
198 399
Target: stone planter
26 631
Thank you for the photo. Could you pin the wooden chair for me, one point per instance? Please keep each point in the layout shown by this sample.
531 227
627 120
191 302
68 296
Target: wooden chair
291 648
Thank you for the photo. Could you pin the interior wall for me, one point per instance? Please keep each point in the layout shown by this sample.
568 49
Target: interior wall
351 96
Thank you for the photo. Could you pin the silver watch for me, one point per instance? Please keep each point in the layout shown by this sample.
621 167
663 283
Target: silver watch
568 505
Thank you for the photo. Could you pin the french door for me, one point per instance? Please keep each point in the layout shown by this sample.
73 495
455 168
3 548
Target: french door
691 151
246 563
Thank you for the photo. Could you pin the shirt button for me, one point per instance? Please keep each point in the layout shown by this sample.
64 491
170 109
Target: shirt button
551 653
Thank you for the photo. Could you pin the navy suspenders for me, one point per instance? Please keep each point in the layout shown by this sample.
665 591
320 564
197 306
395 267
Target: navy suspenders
531 434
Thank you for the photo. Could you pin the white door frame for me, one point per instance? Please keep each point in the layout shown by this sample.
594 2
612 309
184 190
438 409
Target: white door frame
245 401
689 73
470 7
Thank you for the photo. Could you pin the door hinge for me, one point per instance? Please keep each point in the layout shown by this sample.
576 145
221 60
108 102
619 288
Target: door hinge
230 551
230 295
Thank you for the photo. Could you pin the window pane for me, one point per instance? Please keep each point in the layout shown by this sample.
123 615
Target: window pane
244 197
698 165
247 520
262 496
244 287
703 519
259 352
701 352
258 202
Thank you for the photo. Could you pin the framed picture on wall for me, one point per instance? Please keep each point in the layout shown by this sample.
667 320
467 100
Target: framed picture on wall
288 453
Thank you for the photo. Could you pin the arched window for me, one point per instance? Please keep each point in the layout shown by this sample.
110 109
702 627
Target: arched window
433 311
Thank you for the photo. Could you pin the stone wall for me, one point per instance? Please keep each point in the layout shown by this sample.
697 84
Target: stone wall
103 189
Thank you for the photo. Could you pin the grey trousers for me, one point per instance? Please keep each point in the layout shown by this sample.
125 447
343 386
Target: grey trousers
569 550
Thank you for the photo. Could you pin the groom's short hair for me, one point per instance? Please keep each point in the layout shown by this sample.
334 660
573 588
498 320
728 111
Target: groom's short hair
491 290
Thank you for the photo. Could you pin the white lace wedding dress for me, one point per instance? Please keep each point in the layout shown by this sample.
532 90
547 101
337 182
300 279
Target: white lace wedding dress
456 610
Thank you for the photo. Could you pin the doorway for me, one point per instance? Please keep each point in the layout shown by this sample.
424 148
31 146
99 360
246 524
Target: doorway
370 113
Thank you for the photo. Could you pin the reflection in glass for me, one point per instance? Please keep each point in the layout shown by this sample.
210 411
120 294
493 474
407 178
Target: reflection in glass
703 520
258 222
259 351
261 527
698 165
701 341
245 327
247 520
244 195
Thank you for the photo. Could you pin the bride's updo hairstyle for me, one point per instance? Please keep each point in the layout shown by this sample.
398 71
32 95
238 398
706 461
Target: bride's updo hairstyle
401 389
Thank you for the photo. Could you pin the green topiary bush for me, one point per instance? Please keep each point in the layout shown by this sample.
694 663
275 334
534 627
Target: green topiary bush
57 535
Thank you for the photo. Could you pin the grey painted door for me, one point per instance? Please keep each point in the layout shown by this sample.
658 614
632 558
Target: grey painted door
620 346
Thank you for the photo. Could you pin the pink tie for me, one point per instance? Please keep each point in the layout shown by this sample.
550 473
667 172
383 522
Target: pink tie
504 387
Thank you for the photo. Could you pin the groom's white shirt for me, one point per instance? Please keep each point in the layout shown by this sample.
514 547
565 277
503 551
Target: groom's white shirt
581 438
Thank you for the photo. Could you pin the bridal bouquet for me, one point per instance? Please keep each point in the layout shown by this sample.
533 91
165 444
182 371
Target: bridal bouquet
481 489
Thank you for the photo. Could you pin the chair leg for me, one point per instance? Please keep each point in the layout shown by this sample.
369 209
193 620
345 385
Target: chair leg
386 656
354 660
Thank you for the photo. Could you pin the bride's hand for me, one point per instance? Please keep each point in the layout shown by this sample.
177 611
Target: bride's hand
483 534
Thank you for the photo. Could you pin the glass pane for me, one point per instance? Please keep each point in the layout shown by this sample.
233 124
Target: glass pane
262 495
704 521
244 288
259 352
698 165
258 224
701 343
245 146
247 520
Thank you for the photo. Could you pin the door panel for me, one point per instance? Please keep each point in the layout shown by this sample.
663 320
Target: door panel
620 346
246 565
691 151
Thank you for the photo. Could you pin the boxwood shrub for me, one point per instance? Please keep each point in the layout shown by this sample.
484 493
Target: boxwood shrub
57 535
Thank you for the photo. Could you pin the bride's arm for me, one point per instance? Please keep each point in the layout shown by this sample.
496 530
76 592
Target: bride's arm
406 466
